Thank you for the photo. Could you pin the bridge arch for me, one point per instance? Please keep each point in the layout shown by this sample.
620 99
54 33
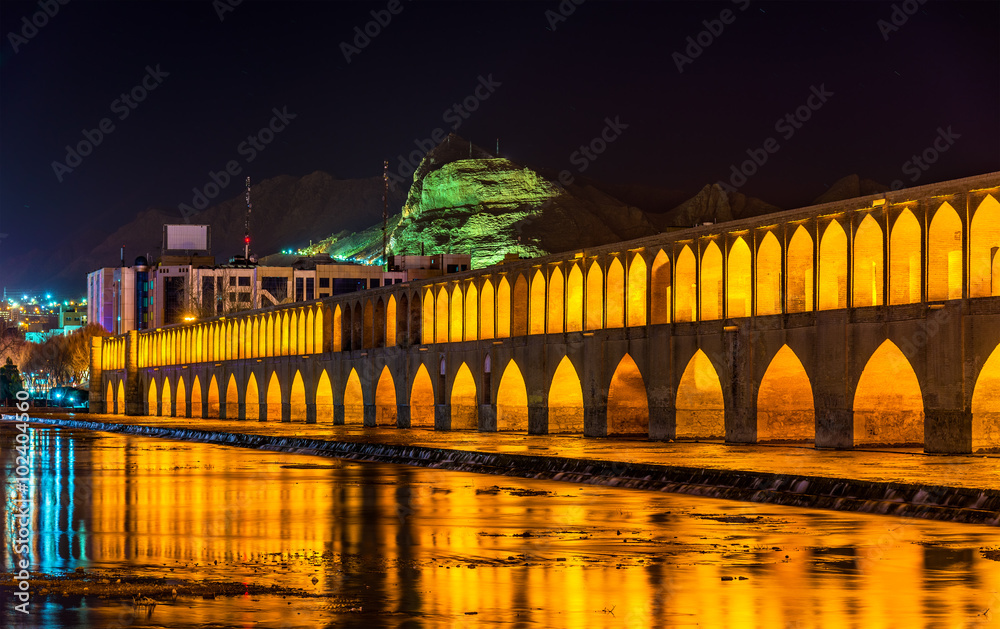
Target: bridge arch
512 399
565 399
212 403
456 314
392 322
686 307
944 254
768 275
615 295
636 293
628 404
368 327
385 399
986 406
358 326
110 401
833 267
574 299
659 287
354 400
905 259
297 398
152 400
888 415
554 313
536 304
324 398
252 398
984 249
595 297
486 311
738 302
180 399
379 324
415 323
471 312
165 400
273 398
338 330
700 405
868 260
464 402
785 407
711 282
503 309
422 399
232 398
197 401
519 307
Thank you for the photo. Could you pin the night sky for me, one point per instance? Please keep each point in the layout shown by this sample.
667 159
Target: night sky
892 82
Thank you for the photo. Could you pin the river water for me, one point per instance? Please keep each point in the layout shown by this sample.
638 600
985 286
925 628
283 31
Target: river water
387 545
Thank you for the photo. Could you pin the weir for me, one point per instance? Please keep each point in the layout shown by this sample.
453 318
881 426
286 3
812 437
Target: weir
867 322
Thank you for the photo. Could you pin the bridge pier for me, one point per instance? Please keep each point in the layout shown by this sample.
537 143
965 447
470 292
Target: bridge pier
741 410
442 416
402 415
369 416
538 419
311 413
241 410
338 414
595 420
133 394
947 431
487 418
662 423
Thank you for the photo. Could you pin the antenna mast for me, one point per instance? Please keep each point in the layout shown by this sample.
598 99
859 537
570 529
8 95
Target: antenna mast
246 225
385 212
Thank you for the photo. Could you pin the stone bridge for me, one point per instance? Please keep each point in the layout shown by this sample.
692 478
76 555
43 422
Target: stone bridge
871 321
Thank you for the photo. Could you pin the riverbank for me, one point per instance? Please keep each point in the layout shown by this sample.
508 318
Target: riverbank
908 484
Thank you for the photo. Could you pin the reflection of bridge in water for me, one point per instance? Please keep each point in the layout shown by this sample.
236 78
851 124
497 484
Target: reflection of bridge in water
869 321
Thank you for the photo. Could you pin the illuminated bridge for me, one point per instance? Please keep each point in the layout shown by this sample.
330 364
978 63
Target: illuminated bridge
872 321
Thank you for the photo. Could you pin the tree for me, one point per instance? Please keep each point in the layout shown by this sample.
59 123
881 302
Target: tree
10 383
65 358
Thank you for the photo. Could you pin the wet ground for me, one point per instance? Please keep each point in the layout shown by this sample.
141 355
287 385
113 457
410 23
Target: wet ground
370 545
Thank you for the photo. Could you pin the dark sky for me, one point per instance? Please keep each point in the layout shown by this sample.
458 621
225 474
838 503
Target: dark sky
889 90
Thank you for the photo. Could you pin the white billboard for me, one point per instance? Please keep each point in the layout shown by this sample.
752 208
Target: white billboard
186 237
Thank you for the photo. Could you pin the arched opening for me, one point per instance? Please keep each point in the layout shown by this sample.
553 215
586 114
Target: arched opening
574 299
274 398
904 259
324 399
700 406
293 332
319 331
154 402
868 264
456 314
536 305
166 406
660 286
686 286
232 399
197 405
738 285
512 400
269 337
769 276
888 415
402 322
986 406
354 401
833 268
257 349
441 320
636 292
368 340
422 400
385 399
628 407
427 318
615 295
944 254
310 332
464 405
252 398
565 400
390 322
519 307
212 405
711 283
378 327
554 312
180 399
110 403
595 297
471 314
984 249
414 332
285 333
297 399
785 410
338 334
503 308
486 310
359 321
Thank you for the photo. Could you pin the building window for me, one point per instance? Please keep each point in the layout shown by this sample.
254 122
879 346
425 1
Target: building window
244 280
298 289
309 289
373 282
232 281
324 282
